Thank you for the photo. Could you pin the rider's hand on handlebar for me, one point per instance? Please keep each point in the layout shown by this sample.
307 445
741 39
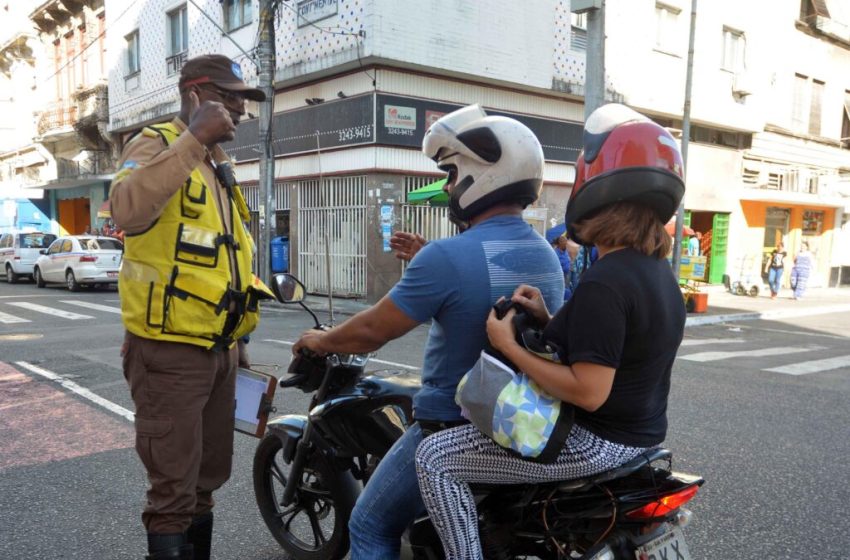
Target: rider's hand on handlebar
311 341
532 300
501 332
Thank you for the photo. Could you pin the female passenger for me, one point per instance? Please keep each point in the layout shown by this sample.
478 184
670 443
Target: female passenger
619 332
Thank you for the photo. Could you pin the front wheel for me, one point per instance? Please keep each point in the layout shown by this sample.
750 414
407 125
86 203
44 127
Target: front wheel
315 525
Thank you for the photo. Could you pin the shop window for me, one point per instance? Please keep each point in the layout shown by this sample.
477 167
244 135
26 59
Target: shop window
812 222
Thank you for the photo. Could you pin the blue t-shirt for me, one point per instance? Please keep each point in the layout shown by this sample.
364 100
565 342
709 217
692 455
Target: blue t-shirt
455 282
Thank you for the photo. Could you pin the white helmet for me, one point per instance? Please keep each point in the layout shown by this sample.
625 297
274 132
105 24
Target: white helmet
490 160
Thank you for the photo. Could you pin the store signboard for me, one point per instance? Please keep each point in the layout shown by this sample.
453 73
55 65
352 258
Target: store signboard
397 121
342 122
402 121
311 11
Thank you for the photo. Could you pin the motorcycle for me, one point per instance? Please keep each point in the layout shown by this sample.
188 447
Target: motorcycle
309 469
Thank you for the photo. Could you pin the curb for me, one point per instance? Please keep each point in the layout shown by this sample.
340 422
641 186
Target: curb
753 316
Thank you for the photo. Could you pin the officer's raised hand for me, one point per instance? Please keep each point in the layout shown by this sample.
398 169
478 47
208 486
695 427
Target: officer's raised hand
210 122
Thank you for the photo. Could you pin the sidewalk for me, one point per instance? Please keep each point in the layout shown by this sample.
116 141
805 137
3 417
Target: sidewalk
722 306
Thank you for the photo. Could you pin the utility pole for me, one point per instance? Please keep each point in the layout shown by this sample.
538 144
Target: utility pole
266 64
594 81
686 134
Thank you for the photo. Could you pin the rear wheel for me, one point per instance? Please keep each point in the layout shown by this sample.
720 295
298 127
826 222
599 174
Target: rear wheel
71 281
11 277
315 525
39 281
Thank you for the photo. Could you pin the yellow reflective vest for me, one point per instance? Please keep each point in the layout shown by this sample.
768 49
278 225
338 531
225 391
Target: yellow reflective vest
176 280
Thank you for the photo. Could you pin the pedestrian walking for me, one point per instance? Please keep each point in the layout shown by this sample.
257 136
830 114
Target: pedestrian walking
774 268
187 297
559 244
803 264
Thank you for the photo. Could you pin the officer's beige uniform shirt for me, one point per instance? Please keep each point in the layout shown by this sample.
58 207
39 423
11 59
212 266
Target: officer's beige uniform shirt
158 173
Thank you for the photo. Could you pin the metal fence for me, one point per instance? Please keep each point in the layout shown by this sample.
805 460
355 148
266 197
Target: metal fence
431 222
332 218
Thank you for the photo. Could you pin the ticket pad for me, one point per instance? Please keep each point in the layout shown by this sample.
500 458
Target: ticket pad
254 394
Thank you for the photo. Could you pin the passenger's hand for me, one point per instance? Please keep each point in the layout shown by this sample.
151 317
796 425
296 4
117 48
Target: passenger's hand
210 122
406 245
310 340
532 300
501 332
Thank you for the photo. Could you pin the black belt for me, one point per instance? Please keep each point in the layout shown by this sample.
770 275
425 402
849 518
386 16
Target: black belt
429 427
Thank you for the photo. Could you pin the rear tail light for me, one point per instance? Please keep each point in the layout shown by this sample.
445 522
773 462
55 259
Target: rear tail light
88 258
665 505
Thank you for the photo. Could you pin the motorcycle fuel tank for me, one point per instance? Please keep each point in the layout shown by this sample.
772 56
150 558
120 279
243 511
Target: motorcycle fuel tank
368 417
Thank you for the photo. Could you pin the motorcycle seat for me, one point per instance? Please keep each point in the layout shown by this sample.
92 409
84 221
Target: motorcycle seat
644 459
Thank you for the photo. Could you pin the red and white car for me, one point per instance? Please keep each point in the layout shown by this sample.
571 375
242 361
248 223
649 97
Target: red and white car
79 260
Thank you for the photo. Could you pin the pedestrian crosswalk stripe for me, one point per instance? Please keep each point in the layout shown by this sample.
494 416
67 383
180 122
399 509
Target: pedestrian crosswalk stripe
6 318
761 352
49 310
813 366
701 341
90 305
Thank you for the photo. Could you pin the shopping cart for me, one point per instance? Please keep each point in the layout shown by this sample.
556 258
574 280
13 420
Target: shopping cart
749 281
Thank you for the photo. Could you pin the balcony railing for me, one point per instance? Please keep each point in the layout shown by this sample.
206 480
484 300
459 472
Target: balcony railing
175 62
56 118
95 164
92 101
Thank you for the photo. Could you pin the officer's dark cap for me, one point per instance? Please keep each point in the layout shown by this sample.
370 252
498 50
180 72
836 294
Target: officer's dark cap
217 70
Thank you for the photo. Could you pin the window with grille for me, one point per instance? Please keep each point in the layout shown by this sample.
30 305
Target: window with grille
734 50
133 53
237 13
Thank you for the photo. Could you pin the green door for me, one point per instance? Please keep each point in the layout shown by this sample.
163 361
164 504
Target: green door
719 243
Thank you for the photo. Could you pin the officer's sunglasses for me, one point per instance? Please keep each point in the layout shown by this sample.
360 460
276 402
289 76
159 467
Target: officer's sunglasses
233 98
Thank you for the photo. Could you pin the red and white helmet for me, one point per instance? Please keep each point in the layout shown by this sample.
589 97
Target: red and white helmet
626 157
490 160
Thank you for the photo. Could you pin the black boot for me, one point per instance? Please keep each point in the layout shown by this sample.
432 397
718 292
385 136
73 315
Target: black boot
200 535
168 546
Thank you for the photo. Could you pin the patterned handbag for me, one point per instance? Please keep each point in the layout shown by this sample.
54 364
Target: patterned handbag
510 407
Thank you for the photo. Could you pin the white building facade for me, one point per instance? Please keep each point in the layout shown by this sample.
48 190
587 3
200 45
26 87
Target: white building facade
359 81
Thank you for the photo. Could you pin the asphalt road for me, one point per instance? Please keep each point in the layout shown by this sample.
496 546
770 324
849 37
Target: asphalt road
772 445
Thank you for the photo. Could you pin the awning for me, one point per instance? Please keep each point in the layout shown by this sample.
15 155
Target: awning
72 183
105 210
432 193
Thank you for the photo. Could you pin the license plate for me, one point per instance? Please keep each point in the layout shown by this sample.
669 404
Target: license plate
669 546
112 275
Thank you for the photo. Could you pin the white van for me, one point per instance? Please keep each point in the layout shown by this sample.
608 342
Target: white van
19 251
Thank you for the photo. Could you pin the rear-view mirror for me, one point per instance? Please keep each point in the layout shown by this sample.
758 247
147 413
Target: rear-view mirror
288 288
42 252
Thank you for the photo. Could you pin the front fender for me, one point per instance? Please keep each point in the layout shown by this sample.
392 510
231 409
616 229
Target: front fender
289 429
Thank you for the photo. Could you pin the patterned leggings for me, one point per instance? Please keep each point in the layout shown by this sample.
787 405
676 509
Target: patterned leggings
448 461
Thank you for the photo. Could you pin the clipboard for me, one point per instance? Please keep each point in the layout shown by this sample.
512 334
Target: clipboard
254 394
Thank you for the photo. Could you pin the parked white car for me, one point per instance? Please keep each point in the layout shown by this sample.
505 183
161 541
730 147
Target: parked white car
19 251
79 260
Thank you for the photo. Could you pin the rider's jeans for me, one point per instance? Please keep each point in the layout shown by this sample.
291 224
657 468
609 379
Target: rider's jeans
389 503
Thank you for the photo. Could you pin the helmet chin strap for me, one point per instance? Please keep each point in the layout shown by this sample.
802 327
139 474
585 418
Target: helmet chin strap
462 225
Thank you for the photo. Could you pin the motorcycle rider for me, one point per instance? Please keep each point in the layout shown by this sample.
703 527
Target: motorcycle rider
620 331
495 167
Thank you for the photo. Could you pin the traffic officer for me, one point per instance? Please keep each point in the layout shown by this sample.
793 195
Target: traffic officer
187 295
